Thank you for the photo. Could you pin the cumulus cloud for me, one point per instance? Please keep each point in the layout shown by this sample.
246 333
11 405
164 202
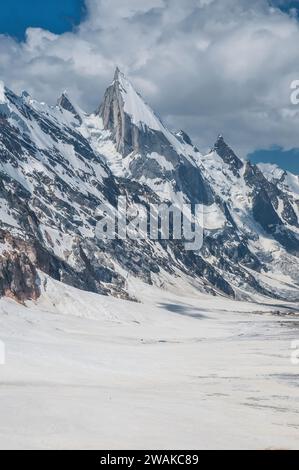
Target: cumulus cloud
206 66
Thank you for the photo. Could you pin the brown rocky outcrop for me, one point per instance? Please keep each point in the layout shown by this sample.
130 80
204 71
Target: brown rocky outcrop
19 279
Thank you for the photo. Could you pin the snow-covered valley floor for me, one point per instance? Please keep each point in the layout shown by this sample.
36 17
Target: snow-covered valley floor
179 370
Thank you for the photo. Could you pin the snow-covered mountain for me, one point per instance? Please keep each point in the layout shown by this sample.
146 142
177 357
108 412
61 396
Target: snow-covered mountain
58 163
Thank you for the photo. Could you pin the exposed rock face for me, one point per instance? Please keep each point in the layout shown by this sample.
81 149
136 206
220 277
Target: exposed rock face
18 277
65 103
58 164
133 136
184 138
114 118
18 273
142 139
266 197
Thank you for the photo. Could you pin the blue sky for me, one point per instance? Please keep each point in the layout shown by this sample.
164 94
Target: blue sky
57 16
175 63
288 159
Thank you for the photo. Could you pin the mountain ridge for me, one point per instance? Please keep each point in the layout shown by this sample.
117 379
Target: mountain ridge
58 164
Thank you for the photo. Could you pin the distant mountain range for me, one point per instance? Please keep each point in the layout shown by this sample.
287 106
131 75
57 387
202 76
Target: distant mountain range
58 163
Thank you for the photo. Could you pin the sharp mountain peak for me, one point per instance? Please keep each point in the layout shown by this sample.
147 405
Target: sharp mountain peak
227 154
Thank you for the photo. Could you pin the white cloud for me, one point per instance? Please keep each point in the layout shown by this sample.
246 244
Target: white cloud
207 66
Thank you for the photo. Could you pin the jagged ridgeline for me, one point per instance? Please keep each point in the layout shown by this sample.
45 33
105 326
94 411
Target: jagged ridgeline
58 164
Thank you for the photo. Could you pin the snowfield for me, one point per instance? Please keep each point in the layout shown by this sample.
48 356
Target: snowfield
176 370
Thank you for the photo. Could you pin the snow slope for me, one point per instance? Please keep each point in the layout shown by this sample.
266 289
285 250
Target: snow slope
178 371
134 106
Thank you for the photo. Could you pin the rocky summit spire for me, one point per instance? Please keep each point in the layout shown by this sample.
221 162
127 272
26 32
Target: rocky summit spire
65 103
227 155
